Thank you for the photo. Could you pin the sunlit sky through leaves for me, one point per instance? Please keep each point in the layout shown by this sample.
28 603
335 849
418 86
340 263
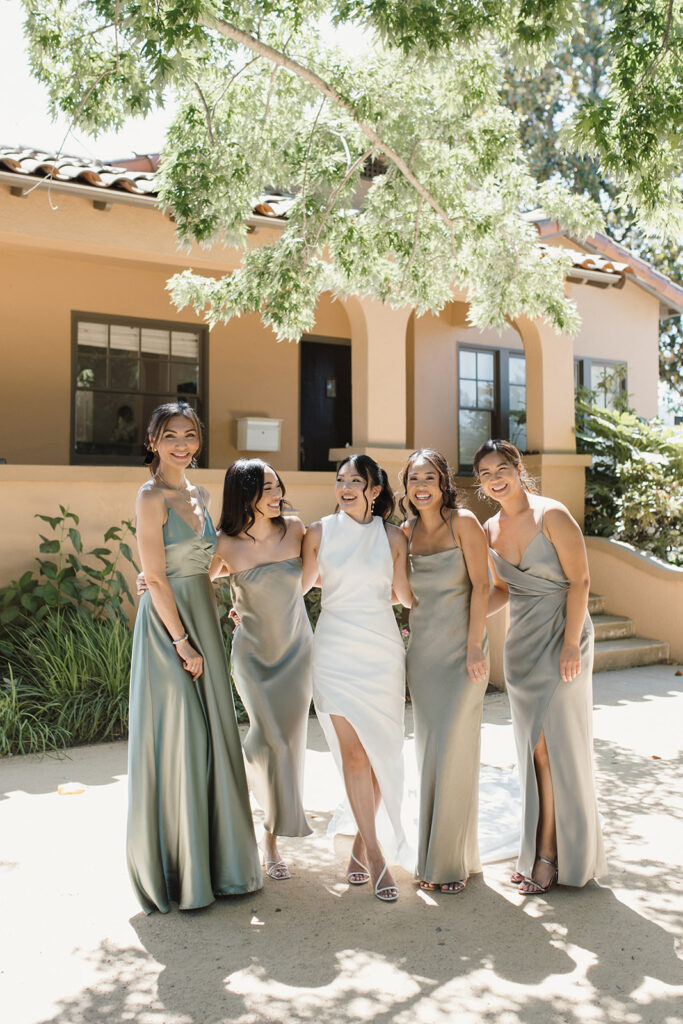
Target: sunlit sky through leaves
25 120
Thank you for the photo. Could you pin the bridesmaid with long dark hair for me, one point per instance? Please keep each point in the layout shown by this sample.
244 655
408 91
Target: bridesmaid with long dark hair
447 664
190 833
359 659
539 564
260 549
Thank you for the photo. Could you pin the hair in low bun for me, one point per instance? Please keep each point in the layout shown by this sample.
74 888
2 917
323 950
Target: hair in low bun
374 476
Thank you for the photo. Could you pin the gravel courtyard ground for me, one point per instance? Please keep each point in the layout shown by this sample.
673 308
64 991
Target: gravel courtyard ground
75 949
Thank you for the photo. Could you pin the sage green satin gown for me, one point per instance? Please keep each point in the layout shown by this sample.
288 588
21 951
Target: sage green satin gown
541 703
190 832
271 667
447 713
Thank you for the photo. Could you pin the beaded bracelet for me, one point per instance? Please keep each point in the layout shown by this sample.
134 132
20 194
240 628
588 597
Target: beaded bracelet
180 640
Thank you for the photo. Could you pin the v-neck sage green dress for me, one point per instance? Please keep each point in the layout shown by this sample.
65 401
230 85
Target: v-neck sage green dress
541 703
190 832
447 712
271 667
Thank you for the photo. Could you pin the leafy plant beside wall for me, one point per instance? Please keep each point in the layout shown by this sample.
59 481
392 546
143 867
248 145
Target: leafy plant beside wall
634 489
65 642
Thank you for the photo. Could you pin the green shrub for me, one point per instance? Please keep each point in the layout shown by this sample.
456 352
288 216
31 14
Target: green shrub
65 643
23 729
67 582
74 675
634 489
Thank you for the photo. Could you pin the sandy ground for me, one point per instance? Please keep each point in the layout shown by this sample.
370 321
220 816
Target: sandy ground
75 949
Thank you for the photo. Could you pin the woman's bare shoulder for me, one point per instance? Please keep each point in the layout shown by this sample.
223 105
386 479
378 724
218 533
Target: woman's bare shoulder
467 523
407 526
557 516
397 537
150 495
294 524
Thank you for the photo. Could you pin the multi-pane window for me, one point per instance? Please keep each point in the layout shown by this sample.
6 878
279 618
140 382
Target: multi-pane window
123 369
477 399
606 381
492 399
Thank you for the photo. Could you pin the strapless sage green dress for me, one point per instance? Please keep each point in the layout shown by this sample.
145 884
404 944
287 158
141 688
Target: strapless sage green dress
447 712
190 832
271 667
541 703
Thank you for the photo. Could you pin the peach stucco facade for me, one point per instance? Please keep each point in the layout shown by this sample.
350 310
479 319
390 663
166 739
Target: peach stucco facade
67 253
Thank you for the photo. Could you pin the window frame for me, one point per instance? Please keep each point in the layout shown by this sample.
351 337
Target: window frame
75 459
500 414
584 364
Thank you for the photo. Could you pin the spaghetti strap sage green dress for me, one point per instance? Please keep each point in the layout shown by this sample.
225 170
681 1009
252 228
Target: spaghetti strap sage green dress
271 667
447 713
190 834
541 703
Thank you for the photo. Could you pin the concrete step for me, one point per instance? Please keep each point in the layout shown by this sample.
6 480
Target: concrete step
596 604
629 652
612 627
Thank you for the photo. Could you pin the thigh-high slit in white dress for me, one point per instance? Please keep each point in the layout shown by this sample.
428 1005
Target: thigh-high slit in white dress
359 659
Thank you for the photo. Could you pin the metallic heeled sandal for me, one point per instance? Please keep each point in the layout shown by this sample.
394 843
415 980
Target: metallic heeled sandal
538 889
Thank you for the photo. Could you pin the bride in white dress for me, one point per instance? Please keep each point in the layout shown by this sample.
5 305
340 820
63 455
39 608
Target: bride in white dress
359 657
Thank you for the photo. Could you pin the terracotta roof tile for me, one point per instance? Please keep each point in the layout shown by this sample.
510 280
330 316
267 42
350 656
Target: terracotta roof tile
590 261
39 164
126 176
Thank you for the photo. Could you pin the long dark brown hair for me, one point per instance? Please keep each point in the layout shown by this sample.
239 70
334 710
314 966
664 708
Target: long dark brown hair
449 495
374 476
242 489
157 424
511 454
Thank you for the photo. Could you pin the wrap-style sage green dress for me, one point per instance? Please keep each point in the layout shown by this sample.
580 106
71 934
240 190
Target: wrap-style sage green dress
190 832
447 713
541 703
271 667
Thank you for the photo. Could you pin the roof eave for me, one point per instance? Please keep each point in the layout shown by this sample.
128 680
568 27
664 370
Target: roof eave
22 185
670 295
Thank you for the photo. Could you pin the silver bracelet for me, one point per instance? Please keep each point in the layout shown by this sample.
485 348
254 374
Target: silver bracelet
180 640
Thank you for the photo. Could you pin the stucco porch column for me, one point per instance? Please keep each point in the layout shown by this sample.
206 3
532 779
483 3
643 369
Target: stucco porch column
378 383
560 472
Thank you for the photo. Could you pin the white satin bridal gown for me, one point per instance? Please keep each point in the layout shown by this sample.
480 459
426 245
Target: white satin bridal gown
359 661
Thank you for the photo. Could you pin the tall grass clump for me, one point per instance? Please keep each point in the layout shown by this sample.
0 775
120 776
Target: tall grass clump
65 643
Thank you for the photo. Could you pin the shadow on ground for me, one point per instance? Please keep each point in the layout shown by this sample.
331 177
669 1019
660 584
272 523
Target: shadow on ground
257 959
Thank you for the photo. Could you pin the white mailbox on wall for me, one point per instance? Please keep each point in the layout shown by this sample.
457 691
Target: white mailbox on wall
258 435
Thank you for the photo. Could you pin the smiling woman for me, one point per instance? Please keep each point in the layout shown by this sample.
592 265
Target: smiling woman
359 659
259 548
447 667
190 833
538 563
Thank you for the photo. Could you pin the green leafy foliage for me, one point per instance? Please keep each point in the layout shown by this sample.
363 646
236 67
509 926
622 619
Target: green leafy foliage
634 489
265 102
65 642
545 103
73 684
70 582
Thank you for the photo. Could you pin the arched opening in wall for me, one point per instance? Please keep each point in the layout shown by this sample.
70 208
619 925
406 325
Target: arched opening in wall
325 419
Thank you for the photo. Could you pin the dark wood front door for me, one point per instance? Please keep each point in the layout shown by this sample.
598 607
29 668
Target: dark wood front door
325 402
